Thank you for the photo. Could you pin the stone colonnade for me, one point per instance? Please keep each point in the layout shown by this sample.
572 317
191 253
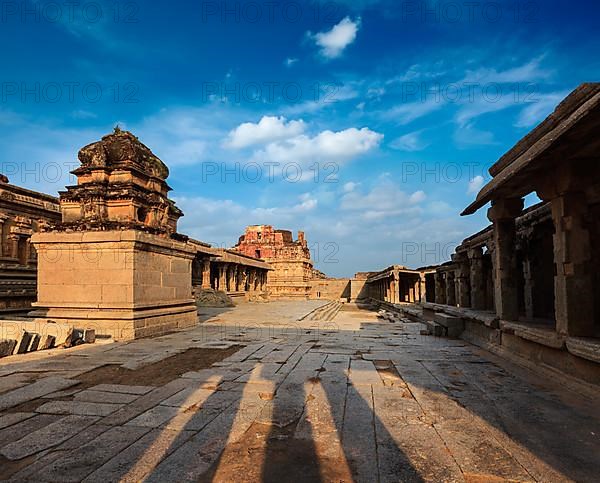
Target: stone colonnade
531 266
211 272
396 285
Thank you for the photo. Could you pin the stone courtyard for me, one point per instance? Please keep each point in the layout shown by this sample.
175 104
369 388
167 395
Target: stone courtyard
292 391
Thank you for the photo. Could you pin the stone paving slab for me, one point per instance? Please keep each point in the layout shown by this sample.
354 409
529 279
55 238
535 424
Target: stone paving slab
358 434
191 396
46 437
77 465
62 394
123 389
34 390
373 401
145 402
105 397
13 418
32 471
155 417
23 428
138 460
80 408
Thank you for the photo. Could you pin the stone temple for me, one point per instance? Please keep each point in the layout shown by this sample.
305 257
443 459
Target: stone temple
289 258
132 352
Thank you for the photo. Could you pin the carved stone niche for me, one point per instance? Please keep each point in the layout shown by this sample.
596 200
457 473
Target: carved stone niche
120 184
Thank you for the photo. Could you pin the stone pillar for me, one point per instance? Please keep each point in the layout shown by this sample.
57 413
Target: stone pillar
234 277
450 288
440 295
251 279
463 275
394 289
477 278
502 214
230 278
573 283
223 277
205 273
528 285
244 278
3 219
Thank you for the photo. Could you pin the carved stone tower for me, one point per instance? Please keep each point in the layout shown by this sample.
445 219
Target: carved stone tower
116 262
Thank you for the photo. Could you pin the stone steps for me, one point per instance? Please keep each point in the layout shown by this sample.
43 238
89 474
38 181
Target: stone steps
324 313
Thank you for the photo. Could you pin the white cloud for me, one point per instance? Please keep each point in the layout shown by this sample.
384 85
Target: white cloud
483 105
290 61
83 114
327 146
528 72
349 186
411 111
333 42
269 128
409 142
417 197
469 135
475 185
537 111
385 199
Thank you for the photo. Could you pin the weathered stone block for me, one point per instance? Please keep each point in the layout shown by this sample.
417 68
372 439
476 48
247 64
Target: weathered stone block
23 342
7 347
89 336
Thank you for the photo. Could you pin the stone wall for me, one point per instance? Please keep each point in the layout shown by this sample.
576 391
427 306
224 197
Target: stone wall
331 289
22 213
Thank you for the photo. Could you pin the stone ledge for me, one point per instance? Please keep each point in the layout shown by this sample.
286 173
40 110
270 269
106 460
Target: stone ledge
587 348
487 318
540 335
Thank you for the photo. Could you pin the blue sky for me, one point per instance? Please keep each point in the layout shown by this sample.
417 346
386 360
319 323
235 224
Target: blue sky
368 124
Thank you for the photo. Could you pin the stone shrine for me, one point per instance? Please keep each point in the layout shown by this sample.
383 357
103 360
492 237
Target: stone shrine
116 262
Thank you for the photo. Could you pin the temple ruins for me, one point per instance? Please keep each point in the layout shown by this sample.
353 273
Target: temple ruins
249 364
528 285
22 213
289 259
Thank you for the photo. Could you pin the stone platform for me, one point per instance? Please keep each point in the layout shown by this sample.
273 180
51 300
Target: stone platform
356 398
124 284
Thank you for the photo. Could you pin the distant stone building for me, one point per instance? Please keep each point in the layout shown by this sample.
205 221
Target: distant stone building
22 213
290 259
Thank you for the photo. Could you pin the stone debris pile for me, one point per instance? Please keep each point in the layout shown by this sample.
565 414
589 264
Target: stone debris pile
20 337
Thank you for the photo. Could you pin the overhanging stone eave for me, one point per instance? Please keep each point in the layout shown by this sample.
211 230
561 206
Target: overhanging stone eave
517 178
